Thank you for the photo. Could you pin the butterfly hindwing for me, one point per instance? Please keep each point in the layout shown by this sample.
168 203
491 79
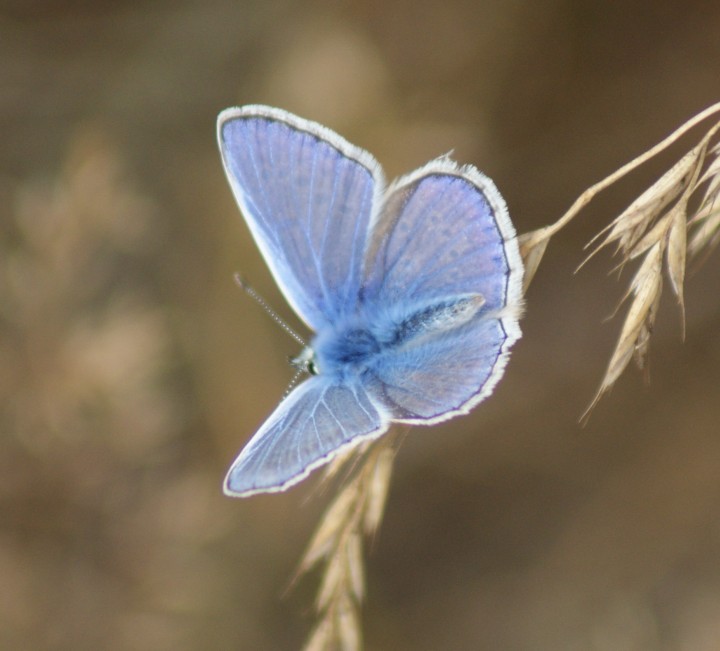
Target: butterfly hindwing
310 426
442 376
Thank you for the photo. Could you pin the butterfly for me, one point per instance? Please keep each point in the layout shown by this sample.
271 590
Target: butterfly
413 291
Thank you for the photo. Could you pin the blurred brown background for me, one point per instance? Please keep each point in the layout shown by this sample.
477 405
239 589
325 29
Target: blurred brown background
132 369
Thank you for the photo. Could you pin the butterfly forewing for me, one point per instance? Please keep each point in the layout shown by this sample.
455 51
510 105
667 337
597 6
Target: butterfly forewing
307 196
443 231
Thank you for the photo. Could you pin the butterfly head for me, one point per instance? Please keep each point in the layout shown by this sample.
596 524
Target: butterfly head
306 361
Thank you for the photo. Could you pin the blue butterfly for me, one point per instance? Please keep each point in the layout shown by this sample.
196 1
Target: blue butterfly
414 291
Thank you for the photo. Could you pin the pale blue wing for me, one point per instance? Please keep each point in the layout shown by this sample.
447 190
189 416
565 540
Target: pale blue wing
318 420
307 196
443 233
441 376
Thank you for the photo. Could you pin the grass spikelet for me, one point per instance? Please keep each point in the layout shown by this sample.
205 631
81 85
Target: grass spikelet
629 229
532 250
321 637
706 223
655 226
659 229
676 255
645 290
378 490
338 544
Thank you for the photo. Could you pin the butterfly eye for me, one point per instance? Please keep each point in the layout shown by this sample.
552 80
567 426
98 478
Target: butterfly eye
312 368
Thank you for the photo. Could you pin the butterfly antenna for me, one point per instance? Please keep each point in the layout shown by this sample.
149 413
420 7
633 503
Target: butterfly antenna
272 313
293 382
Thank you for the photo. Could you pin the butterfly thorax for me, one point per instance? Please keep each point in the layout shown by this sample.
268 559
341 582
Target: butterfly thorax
353 344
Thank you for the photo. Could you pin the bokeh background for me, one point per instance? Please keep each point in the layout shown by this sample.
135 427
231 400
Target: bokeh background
132 369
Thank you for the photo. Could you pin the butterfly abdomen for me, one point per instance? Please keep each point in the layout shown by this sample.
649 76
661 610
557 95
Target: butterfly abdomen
436 317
